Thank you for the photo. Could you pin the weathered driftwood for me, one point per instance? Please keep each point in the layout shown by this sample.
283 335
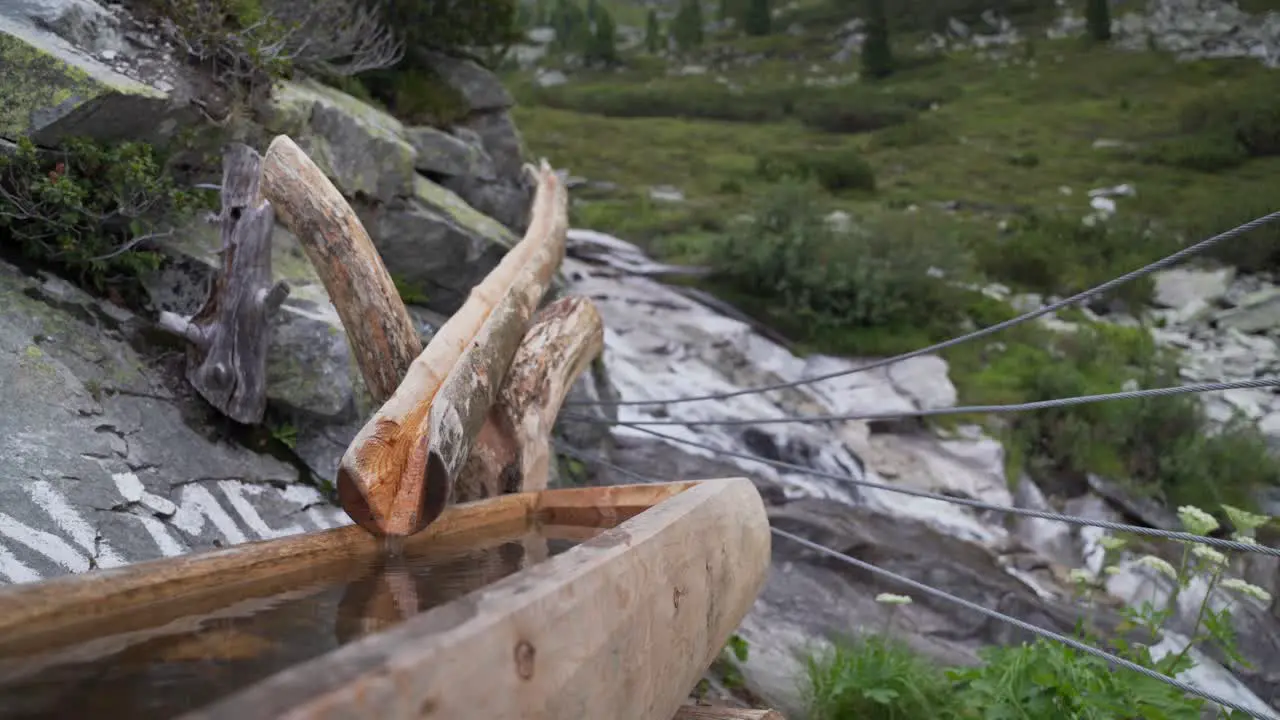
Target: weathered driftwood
381 333
709 712
229 335
620 627
512 452
397 474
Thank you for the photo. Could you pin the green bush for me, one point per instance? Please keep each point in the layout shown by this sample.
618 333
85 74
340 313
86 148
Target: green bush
1202 152
1058 254
87 208
1256 251
1162 446
833 169
1250 118
821 279
238 41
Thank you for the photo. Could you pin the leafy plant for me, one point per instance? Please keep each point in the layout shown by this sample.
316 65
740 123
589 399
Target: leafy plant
879 677
90 209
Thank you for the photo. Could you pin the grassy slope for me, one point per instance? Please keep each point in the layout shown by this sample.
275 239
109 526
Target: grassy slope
1008 138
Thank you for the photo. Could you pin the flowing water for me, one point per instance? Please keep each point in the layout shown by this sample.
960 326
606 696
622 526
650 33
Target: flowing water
184 654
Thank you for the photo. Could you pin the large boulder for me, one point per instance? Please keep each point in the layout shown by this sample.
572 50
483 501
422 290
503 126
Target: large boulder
486 121
436 245
106 459
362 149
71 68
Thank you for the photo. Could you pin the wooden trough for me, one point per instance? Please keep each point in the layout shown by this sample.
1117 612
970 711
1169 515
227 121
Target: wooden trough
465 589
471 620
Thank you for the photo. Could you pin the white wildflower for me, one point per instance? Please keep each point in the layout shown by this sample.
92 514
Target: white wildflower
1244 539
1243 521
1111 570
1209 555
1159 565
891 599
1245 588
1080 575
1197 521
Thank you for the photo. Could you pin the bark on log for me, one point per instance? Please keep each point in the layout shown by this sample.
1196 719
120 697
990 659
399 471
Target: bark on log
381 333
512 452
229 335
398 473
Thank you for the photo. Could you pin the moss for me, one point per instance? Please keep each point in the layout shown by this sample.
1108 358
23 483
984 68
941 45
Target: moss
38 86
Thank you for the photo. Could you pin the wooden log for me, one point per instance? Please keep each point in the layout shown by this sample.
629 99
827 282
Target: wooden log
709 712
381 333
398 473
620 627
229 335
512 452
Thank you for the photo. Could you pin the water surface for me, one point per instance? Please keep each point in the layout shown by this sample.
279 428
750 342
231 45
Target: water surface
197 651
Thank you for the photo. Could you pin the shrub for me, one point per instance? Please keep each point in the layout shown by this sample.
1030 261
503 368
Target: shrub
88 209
1162 446
691 99
238 41
834 169
1251 119
1203 152
1058 254
1256 251
820 279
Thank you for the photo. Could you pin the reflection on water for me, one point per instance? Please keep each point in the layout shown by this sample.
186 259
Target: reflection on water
181 663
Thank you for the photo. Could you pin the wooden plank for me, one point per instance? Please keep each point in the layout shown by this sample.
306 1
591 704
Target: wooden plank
709 712
512 452
230 333
65 604
381 333
397 474
620 627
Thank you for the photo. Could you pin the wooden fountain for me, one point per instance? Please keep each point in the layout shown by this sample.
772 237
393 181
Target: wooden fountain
466 589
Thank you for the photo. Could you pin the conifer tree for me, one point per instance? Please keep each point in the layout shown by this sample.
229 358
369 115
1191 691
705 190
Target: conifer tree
652 32
1097 15
604 49
877 55
758 19
686 27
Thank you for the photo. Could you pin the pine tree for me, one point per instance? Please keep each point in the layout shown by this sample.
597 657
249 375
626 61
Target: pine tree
758 19
724 10
604 49
686 27
653 32
877 56
1097 15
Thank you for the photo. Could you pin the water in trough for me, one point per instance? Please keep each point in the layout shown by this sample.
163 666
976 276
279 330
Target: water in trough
169 658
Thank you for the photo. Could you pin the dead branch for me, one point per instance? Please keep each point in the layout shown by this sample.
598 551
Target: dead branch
380 331
227 357
337 38
512 452
398 473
